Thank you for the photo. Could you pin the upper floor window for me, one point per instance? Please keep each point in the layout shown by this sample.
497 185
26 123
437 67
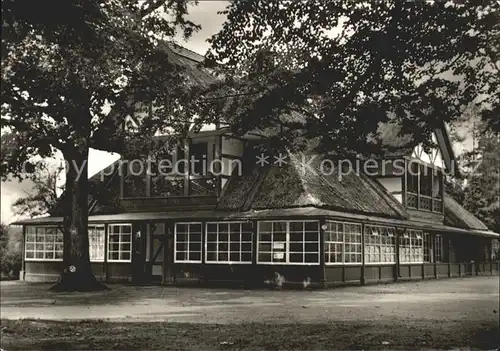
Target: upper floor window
424 188
134 178
163 173
198 158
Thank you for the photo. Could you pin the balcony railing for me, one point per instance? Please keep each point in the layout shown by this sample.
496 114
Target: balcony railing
424 202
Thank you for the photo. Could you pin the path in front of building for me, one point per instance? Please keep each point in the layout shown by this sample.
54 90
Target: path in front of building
471 299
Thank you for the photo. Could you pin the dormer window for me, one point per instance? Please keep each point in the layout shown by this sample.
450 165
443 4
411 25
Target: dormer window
424 188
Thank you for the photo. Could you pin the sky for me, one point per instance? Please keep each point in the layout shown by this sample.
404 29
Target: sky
204 14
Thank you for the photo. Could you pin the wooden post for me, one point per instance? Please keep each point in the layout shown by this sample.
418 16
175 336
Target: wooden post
362 280
396 272
218 152
23 253
322 223
418 194
203 250
433 245
405 184
187 169
449 257
105 263
121 174
255 253
168 265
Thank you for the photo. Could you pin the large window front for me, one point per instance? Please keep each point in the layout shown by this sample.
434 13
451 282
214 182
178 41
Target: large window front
119 242
188 242
44 243
228 242
342 243
411 247
288 242
433 253
96 242
424 187
380 244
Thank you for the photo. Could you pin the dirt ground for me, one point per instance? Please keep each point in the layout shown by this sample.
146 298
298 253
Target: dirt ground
424 315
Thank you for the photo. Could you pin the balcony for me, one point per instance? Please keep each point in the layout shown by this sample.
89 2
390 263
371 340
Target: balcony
424 203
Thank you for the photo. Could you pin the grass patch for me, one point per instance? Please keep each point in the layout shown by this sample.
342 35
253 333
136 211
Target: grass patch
105 335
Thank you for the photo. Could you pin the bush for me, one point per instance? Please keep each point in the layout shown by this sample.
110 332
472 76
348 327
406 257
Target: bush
10 252
11 263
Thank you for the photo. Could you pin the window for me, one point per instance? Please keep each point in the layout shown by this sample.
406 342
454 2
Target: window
44 243
411 247
433 254
342 242
134 178
428 256
119 242
380 244
288 242
438 244
228 242
96 242
188 242
199 153
167 177
424 188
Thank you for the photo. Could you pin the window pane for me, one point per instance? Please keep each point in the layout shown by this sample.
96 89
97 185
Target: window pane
246 257
265 226
312 226
296 227
311 258
296 247
264 257
211 256
194 256
246 247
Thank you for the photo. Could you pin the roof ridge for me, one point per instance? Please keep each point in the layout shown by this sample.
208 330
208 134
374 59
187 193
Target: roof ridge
173 43
307 193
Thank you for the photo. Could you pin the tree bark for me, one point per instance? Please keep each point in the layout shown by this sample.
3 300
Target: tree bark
77 272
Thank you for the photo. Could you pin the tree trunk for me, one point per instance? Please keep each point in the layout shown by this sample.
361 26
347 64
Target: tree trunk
77 273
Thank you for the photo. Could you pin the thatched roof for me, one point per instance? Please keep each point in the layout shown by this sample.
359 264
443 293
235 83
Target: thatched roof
457 216
293 185
192 63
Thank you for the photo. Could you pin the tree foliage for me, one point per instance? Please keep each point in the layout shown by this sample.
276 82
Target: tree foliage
65 65
347 65
482 191
42 198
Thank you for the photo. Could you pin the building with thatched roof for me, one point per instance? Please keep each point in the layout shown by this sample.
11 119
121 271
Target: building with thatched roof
239 215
